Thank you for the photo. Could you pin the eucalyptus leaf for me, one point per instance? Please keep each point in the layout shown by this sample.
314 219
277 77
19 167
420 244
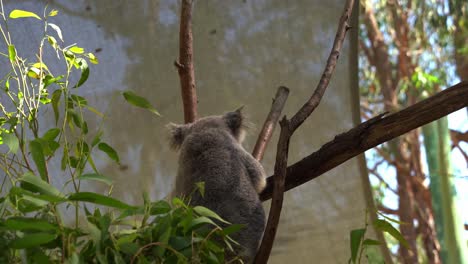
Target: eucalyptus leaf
98 199
109 151
356 237
32 240
11 141
40 185
37 154
385 226
203 211
95 177
17 13
139 101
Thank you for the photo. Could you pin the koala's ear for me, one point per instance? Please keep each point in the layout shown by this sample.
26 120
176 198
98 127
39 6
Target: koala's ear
177 134
235 121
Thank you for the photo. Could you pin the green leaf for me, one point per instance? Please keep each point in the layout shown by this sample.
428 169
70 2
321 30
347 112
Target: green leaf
199 221
32 240
385 226
98 199
232 229
139 101
11 53
160 207
44 197
79 100
17 13
97 138
84 72
76 50
201 188
370 242
55 102
11 141
40 185
39 158
355 242
51 134
203 211
95 177
109 151
23 223
48 80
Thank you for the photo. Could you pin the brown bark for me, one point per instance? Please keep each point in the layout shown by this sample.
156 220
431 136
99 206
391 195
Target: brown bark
372 133
270 123
288 127
381 58
185 63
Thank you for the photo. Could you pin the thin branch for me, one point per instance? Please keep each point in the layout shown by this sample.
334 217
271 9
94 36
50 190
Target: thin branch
314 100
185 63
387 210
378 176
370 134
288 127
270 123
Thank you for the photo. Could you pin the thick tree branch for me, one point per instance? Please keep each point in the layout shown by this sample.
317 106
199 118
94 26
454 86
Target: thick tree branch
287 130
270 123
370 134
185 63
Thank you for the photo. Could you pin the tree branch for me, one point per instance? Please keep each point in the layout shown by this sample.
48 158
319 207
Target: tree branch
370 134
270 123
185 63
287 130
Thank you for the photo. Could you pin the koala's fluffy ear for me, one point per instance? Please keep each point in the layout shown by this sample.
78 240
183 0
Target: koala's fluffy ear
235 122
177 134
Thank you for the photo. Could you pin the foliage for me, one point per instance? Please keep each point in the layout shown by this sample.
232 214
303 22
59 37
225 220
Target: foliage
360 245
33 228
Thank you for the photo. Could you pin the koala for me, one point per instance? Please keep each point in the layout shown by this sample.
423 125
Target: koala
211 152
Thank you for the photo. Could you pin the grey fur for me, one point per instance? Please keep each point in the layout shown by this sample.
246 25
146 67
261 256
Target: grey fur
211 152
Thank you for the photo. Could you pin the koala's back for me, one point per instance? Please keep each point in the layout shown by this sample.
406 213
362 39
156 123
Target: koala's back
214 157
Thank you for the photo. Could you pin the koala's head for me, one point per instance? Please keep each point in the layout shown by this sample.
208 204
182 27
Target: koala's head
234 122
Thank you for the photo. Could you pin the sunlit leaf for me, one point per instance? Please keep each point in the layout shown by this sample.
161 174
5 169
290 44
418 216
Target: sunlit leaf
17 13
92 58
84 72
76 50
40 65
139 101
95 177
52 13
98 199
12 53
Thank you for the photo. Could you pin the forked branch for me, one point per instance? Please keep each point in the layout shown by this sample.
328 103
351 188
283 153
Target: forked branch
287 129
